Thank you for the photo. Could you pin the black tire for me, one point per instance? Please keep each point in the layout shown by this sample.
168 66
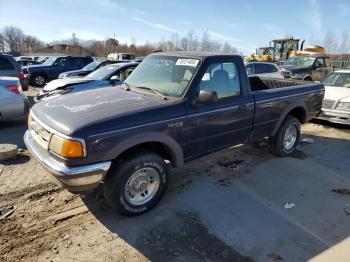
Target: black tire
38 80
115 183
277 145
309 79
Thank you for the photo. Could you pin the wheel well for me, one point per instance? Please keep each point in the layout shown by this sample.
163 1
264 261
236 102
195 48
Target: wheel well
299 113
36 74
308 78
156 147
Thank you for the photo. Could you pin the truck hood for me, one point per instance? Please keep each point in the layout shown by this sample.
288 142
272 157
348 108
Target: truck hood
295 68
60 83
73 112
337 93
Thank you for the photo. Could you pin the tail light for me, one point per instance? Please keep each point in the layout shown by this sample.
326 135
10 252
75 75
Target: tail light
20 75
14 88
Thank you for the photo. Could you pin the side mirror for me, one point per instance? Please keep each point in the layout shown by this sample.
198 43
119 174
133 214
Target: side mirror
56 64
207 96
114 79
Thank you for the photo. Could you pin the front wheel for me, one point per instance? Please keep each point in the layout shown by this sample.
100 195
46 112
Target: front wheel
39 80
137 184
287 137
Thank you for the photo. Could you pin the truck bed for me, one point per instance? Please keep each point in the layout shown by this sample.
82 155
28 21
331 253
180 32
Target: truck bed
264 83
273 97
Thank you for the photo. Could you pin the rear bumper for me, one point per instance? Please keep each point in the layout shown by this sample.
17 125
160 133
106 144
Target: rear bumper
76 179
335 117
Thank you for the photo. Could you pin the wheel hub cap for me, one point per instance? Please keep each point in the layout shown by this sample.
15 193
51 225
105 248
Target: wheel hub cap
142 186
290 137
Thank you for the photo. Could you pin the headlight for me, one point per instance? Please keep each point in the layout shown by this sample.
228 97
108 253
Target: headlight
343 106
298 76
65 147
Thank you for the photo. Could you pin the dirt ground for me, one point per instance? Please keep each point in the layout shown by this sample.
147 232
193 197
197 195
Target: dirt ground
209 213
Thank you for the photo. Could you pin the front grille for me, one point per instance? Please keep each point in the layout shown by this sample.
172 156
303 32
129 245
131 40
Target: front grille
328 104
40 134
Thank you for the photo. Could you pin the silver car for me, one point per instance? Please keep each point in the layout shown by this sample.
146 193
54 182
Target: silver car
13 103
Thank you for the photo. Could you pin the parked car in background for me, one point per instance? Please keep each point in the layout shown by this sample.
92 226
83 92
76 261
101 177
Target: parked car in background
263 69
173 108
109 75
39 75
42 59
13 103
10 67
307 67
24 62
88 68
121 56
336 103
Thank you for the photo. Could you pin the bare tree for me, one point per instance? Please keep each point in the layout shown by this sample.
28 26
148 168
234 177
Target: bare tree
2 44
329 42
13 38
344 46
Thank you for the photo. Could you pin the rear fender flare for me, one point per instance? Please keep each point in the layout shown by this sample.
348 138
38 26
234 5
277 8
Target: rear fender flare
286 112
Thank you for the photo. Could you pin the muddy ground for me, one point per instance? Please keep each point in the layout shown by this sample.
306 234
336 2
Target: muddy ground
210 212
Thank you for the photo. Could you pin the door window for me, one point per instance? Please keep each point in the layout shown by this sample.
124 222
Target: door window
261 68
271 68
5 64
327 62
320 63
250 69
76 62
223 78
124 73
62 62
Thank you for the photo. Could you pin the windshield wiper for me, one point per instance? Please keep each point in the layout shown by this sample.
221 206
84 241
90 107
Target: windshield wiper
153 90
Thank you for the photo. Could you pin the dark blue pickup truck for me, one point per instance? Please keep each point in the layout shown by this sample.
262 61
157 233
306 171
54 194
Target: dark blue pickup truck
39 75
173 107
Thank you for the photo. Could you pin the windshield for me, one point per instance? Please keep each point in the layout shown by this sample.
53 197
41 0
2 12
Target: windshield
50 61
91 66
337 79
300 61
103 72
167 75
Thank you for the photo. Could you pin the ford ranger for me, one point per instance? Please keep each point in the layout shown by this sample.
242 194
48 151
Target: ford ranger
173 108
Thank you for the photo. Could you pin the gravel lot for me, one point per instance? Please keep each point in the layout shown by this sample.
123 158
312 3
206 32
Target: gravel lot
210 213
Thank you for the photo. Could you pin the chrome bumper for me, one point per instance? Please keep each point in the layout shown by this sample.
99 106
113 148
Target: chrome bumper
335 117
80 178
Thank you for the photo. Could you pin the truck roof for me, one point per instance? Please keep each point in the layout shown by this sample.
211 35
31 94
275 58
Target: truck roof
199 55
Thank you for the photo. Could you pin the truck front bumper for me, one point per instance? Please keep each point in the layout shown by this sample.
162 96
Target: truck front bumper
75 179
335 117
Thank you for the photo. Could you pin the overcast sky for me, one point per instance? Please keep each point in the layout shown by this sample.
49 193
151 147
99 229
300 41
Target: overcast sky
244 24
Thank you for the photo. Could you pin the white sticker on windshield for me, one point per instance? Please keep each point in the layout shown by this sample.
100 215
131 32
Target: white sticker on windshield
187 62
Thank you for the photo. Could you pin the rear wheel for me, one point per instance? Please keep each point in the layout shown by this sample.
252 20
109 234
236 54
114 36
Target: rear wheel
287 137
137 184
39 80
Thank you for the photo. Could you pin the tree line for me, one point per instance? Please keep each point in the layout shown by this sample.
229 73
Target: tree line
13 40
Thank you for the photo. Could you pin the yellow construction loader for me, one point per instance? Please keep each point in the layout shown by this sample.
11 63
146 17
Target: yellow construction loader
281 49
262 54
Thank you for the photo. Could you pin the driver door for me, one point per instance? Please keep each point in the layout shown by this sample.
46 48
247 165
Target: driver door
225 122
